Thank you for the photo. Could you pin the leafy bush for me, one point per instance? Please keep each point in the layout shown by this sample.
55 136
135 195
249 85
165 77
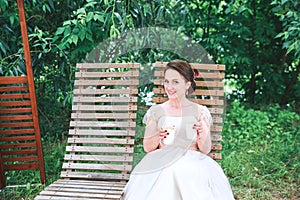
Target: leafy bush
261 152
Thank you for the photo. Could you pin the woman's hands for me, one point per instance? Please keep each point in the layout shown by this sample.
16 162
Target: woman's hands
203 136
162 134
151 143
201 127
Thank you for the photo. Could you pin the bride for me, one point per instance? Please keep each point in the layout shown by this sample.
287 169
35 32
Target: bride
177 140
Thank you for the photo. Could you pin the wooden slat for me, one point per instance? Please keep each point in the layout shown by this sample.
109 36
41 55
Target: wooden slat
105 82
15 125
103 108
107 65
15 117
216 147
73 195
88 166
100 158
87 190
104 99
20 159
108 188
216 102
15 110
94 124
218 67
53 197
17 138
102 132
104 91
14 96
94 176
209 84
103 115
217 120
13 88
17 131
29 166
209 75
15 103
100 141
218 93
215 156
88 183
5 80
19 145
99 149
106 74
216 110
19 152
216 128
216 137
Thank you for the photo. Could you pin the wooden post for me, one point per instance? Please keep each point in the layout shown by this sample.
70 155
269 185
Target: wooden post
31 89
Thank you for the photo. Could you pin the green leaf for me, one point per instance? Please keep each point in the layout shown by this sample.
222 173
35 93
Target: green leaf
98 17
59 31
12 19
74 39
90 16
68 22
80 11
119 17
82 34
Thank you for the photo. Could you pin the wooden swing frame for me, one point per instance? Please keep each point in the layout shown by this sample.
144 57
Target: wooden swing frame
20 138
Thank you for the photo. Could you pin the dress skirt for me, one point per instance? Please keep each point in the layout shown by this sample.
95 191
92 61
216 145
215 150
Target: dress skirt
194 176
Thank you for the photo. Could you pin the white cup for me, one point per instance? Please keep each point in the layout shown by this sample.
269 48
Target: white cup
171 129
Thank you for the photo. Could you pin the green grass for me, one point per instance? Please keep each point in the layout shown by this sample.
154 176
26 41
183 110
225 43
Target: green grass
260 157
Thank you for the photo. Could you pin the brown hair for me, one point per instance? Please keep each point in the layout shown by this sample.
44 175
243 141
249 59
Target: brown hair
185 70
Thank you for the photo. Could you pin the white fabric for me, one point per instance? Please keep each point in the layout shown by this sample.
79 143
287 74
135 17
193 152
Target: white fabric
175 172
194 176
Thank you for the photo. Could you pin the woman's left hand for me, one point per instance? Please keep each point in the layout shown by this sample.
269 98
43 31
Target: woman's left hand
202 127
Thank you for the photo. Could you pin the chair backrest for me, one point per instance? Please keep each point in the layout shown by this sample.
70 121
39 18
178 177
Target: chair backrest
101 137
20 139
209 92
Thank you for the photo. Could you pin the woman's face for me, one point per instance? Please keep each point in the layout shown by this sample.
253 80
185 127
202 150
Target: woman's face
175 84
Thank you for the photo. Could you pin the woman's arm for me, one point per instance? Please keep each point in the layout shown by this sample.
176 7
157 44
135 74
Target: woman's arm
204 137
151 143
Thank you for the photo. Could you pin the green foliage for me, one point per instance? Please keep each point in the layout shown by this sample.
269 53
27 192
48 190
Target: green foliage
261 152
258 42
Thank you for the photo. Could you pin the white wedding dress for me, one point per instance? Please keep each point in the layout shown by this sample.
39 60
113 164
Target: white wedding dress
177 171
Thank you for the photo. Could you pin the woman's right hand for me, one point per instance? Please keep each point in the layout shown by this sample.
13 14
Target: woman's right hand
156 141
162 134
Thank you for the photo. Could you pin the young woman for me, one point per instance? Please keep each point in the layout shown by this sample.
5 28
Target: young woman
177 140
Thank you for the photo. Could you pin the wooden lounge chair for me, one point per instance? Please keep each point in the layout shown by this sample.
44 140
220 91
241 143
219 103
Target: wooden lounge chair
209 92
101 138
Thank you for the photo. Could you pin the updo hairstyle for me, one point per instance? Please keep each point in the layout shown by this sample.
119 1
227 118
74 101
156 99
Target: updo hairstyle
185 70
